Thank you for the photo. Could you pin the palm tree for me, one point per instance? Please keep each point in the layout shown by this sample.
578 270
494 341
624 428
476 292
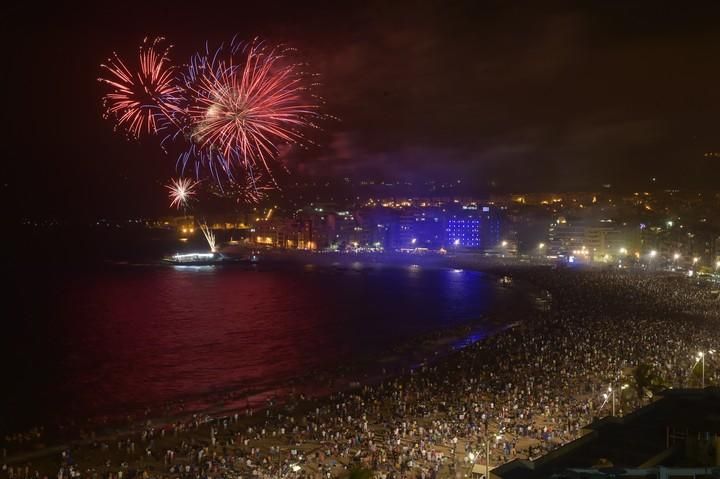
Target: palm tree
643 380
647 380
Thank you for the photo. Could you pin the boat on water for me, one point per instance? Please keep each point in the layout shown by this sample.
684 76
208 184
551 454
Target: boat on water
207 259
194 259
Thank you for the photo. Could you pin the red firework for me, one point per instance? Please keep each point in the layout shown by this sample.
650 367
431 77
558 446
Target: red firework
138 99
245 104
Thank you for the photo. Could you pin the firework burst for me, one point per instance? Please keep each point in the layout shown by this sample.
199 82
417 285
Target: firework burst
243 102
233 111
181 191
140 99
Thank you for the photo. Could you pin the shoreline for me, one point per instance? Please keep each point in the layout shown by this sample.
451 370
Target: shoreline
447 342
535 385
421 350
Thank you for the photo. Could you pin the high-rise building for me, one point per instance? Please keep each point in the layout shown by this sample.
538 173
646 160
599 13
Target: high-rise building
474 228
594 239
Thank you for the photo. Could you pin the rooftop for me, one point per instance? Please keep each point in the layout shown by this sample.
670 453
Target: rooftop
681 429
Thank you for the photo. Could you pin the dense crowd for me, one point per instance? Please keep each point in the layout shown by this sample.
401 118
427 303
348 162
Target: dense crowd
517 394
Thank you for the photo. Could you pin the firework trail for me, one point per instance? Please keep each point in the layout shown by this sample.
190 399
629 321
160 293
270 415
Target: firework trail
140 99
181 191
209 236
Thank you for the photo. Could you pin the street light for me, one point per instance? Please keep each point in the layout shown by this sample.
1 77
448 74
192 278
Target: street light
503 244
541 246
612 391
695 260
701 358
676 256
486 419
653 253
623 250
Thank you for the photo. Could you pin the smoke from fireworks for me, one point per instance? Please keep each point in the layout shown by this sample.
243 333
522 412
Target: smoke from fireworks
140 98
181 191
251 189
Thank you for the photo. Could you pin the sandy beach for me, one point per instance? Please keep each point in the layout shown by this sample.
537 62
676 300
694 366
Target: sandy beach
518 393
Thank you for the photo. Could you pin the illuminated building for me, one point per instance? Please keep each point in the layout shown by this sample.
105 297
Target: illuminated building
413 228
478 229
593 240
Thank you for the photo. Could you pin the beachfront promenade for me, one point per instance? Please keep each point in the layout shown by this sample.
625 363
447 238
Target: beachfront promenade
518 394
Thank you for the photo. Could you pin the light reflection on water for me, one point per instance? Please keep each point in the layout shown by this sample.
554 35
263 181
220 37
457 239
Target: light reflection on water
124 338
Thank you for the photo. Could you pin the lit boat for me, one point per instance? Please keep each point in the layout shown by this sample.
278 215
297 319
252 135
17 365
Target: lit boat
209 259
195 259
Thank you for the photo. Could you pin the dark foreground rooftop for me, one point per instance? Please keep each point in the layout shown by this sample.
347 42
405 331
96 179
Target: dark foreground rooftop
677 432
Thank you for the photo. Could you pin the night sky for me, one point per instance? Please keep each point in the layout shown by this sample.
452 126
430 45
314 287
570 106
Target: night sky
507 96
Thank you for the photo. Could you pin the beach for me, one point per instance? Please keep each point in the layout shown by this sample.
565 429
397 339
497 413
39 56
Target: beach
518 393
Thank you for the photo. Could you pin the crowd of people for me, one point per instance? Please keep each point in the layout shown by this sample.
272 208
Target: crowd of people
517 394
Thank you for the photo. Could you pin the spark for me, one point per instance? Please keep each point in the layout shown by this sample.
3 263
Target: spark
181 191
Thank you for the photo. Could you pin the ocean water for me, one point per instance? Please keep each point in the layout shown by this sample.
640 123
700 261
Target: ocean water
105 340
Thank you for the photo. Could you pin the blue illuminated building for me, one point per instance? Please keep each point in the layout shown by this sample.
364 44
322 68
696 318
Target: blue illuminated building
477 229
464 232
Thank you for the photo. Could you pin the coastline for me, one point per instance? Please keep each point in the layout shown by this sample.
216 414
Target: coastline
420 351
533 387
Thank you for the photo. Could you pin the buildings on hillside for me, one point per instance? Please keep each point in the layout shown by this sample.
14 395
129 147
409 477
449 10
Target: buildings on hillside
669 229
